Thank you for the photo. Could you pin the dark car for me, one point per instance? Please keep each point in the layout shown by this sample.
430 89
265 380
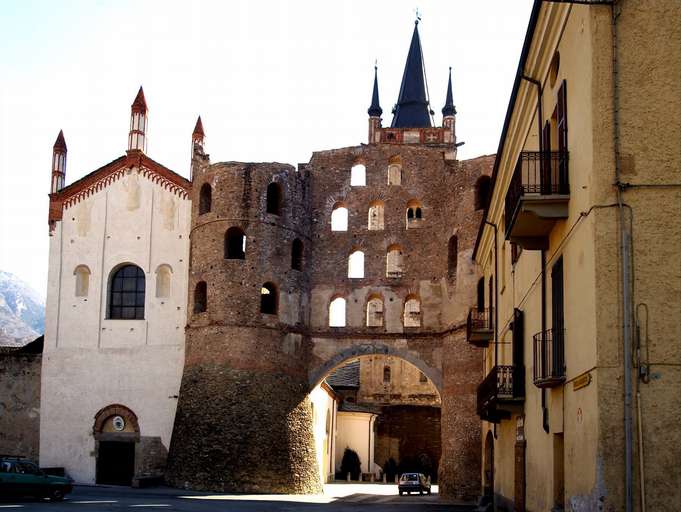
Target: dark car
413 482
20 477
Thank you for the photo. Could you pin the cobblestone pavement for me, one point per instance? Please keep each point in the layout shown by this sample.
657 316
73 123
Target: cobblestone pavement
336 498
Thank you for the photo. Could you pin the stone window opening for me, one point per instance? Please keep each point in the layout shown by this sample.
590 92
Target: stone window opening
394 261
274 198
201 297
481 294
339 218
412 312
205 199
358 175
386 374
482 192
414 214
356 265
337 312
376 219
82 273
268 299
395 171
163 279
297 255
375 311
452 256
235 244
127 293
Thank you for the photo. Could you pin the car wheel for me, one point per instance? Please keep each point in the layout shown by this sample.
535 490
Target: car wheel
421 493
57 494
401 493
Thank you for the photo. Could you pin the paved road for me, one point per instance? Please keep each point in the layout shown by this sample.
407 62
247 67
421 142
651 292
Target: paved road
337 498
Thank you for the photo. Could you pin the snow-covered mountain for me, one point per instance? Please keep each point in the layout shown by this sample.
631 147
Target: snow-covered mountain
22 311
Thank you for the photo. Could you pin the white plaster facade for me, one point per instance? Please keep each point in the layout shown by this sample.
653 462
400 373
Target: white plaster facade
90 361
324 417
356 431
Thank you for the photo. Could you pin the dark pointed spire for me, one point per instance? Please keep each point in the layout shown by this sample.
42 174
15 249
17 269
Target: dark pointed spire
449 109
140 104
198 129
412 110
375 109
60 143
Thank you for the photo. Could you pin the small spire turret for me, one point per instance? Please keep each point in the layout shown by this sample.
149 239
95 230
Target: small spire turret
449 109
58 163
137 140
375 112
198 134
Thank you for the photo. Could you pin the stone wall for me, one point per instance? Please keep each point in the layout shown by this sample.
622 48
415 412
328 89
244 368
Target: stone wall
20 404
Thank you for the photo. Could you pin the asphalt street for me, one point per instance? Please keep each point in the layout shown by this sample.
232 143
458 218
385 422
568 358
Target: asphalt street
336 498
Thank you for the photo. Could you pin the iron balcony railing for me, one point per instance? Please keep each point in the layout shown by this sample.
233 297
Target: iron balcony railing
479 326
549 358
502 384
538 173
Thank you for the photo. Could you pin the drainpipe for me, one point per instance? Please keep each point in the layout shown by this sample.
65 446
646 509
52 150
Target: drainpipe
496 303
544 410
625 258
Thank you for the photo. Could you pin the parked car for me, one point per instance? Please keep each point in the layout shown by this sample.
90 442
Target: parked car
21 477
413 482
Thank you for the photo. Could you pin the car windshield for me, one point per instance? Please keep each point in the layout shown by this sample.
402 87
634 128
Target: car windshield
410 477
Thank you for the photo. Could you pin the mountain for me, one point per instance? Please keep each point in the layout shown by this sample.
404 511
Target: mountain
22 311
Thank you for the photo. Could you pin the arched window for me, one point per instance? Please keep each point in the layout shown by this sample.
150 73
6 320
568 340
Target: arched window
82 273
481 294
339 218
358 175
482 190
235 244
200 297
412 312
375 311
394 262
337 312
163 274
297 255
453 255
386 374
268 299
356 265
274 198
414 214
205 198
395 171
126 293
375 222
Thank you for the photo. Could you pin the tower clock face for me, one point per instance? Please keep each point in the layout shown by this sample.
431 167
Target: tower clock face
118 423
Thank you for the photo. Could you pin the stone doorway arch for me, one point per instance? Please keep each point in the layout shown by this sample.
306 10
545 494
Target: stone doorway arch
116 432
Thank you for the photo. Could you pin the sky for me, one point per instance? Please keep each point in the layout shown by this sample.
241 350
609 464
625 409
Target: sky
272 81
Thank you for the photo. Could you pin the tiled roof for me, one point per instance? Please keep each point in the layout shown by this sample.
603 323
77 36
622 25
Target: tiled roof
346 376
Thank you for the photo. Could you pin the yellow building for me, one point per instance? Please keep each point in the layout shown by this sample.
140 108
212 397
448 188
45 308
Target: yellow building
579 306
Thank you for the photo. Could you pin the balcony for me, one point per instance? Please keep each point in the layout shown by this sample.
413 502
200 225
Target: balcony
501 392
479 327
549 358
537 197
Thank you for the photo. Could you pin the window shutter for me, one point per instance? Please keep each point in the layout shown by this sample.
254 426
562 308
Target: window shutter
562 137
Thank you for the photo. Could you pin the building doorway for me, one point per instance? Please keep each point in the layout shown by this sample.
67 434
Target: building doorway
115 463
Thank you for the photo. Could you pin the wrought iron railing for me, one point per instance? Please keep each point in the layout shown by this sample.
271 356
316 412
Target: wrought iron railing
537 173
502 383
549 357
478 320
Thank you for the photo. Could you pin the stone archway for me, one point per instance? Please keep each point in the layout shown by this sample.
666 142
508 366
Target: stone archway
116 431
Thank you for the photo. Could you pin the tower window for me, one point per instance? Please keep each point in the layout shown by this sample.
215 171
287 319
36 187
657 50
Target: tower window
163 275
482 191
375 222
200 297
356 265
82 274
395 171
414 214
375 312
126 293
386 374
205 199
394 261
412 312
268 299
453 255
358 175
339 218
235 244
337 312
297 255
274 198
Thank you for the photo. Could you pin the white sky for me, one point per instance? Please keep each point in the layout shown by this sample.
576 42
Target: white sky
272 80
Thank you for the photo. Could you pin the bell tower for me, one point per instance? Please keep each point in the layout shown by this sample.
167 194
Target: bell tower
58 163
375 112
137 140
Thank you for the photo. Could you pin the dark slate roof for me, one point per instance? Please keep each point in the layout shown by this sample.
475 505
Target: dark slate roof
412 110
346 376
354 407
449 109
375 109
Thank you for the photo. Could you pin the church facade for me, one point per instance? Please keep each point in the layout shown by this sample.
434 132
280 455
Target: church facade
188 322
